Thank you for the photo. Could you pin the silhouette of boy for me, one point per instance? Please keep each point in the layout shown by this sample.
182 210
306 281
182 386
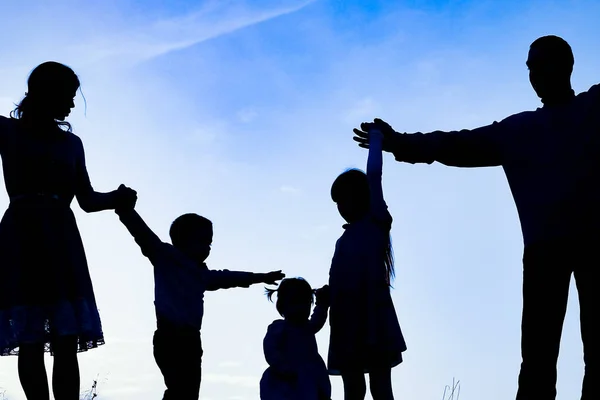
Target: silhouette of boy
180 279
551 158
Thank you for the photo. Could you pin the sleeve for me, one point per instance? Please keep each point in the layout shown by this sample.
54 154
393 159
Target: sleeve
318 318
480 147
274 348
150 244
225 279
379 209
88 199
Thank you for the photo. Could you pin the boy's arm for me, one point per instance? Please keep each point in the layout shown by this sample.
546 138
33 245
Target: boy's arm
225 279
143 235
273 346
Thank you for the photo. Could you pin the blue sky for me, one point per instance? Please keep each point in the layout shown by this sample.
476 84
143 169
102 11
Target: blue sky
243 111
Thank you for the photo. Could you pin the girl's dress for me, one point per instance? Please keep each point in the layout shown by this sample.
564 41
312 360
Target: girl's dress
365 333
45 286
296 370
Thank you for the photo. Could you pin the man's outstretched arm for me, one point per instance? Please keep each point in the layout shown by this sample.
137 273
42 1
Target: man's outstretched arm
480 147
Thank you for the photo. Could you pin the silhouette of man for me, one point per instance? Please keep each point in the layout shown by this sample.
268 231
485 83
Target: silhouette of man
551 158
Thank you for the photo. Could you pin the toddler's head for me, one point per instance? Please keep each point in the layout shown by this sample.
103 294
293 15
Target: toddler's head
295 298
192 234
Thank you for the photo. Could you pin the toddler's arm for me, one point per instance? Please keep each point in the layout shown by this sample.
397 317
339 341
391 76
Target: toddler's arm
319 315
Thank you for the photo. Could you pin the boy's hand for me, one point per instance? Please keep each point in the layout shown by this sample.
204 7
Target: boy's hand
323 295
271 278
126 198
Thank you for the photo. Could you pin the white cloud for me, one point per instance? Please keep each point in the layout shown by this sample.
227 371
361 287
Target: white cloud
245 381
289 189
230 364
247 115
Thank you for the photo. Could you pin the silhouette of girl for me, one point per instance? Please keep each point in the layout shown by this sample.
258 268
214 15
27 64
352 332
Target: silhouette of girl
296 370
47 300
365 333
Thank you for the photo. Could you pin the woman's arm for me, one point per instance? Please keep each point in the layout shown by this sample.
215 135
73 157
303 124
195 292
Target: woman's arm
89 200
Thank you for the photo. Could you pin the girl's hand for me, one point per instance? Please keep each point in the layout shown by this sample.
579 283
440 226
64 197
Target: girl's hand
362 134
272 277
126 198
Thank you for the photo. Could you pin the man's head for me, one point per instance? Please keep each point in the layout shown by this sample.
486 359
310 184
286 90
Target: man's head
550 62
192 234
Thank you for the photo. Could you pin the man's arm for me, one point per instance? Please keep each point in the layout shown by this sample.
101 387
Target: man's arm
225 279
143 235
479 147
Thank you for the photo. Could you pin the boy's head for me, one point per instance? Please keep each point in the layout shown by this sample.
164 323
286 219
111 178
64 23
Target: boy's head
192 234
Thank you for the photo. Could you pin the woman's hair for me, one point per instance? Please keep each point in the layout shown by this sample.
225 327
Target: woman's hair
44 83
290 289
354 184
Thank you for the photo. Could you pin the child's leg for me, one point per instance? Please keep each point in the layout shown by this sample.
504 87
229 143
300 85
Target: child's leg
65 372
380 381
32 372
355 387
179 358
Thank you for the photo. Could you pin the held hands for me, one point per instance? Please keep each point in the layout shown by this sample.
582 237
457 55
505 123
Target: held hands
362 134
271 278
323 296
126 198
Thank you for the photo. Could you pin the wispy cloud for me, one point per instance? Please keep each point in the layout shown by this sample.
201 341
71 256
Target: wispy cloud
161 37
289 189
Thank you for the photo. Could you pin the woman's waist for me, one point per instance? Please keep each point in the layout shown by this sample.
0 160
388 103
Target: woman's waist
41 199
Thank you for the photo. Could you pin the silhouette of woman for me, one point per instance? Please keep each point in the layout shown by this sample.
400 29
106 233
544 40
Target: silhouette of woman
47 300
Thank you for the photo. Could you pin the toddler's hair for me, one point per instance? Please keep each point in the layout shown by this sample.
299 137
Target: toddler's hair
185 225
290 289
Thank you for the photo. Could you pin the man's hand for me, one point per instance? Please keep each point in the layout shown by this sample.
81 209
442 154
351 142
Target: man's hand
362 134
272 277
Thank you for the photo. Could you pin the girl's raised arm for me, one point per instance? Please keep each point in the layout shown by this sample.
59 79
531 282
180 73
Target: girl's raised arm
379 208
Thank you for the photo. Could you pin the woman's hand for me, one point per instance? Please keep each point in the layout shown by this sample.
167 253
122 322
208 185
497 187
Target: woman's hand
126 198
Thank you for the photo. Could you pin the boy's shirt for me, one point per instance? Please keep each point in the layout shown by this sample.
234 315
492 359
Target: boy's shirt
179 282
